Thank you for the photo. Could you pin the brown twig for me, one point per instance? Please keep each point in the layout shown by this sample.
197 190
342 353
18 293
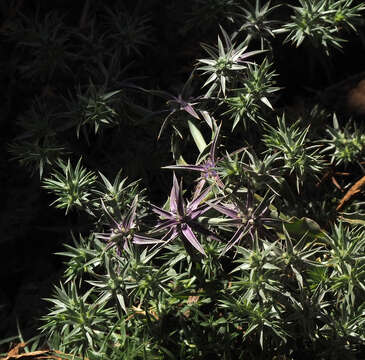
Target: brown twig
356 188
17 353
330 174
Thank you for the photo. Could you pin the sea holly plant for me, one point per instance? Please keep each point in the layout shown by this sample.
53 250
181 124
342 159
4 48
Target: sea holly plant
255 19
257 88
345 146
321 22
44 44
83 257
37 146
224 62
94 110
248 258
181 220
183 101
206 165
291 143
261 173
246 218
37 155
123 232
79 317
71 185
117 195
127 31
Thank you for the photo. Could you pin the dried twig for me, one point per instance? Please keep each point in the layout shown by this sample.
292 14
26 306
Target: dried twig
17 352
356 188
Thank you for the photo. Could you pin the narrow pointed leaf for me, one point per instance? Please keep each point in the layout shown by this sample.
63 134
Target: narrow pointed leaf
197 136
190 236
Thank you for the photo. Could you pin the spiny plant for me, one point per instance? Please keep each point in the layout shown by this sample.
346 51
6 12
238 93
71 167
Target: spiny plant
239 262
323 22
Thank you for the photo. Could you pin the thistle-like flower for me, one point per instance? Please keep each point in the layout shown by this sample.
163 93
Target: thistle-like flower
182 102
224 62
254 18
246 217
181 219
207 167
124 231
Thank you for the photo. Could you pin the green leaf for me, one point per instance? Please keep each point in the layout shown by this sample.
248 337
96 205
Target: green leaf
197 136
302 226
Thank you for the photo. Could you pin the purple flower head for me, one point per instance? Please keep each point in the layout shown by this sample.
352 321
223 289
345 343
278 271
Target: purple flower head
207 168
179 104
246 218
181 218
124 231
182 102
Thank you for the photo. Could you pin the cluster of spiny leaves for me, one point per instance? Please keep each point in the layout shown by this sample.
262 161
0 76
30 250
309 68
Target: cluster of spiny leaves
76 80
245 257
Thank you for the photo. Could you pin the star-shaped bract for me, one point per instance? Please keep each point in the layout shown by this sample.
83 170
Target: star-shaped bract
124 231
181 218
207 168
245 217
182 102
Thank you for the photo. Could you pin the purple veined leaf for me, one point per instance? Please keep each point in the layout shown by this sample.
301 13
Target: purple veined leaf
166 224
181 219
174 195
166 239
177 204
170 236
163 213
193 205
189 109
238 235
110 245
123 234
194 214
190 236
130 218
179 103
246 217
199 187
233 214
182 102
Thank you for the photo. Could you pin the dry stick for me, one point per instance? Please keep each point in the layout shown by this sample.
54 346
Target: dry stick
356 188
17 353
